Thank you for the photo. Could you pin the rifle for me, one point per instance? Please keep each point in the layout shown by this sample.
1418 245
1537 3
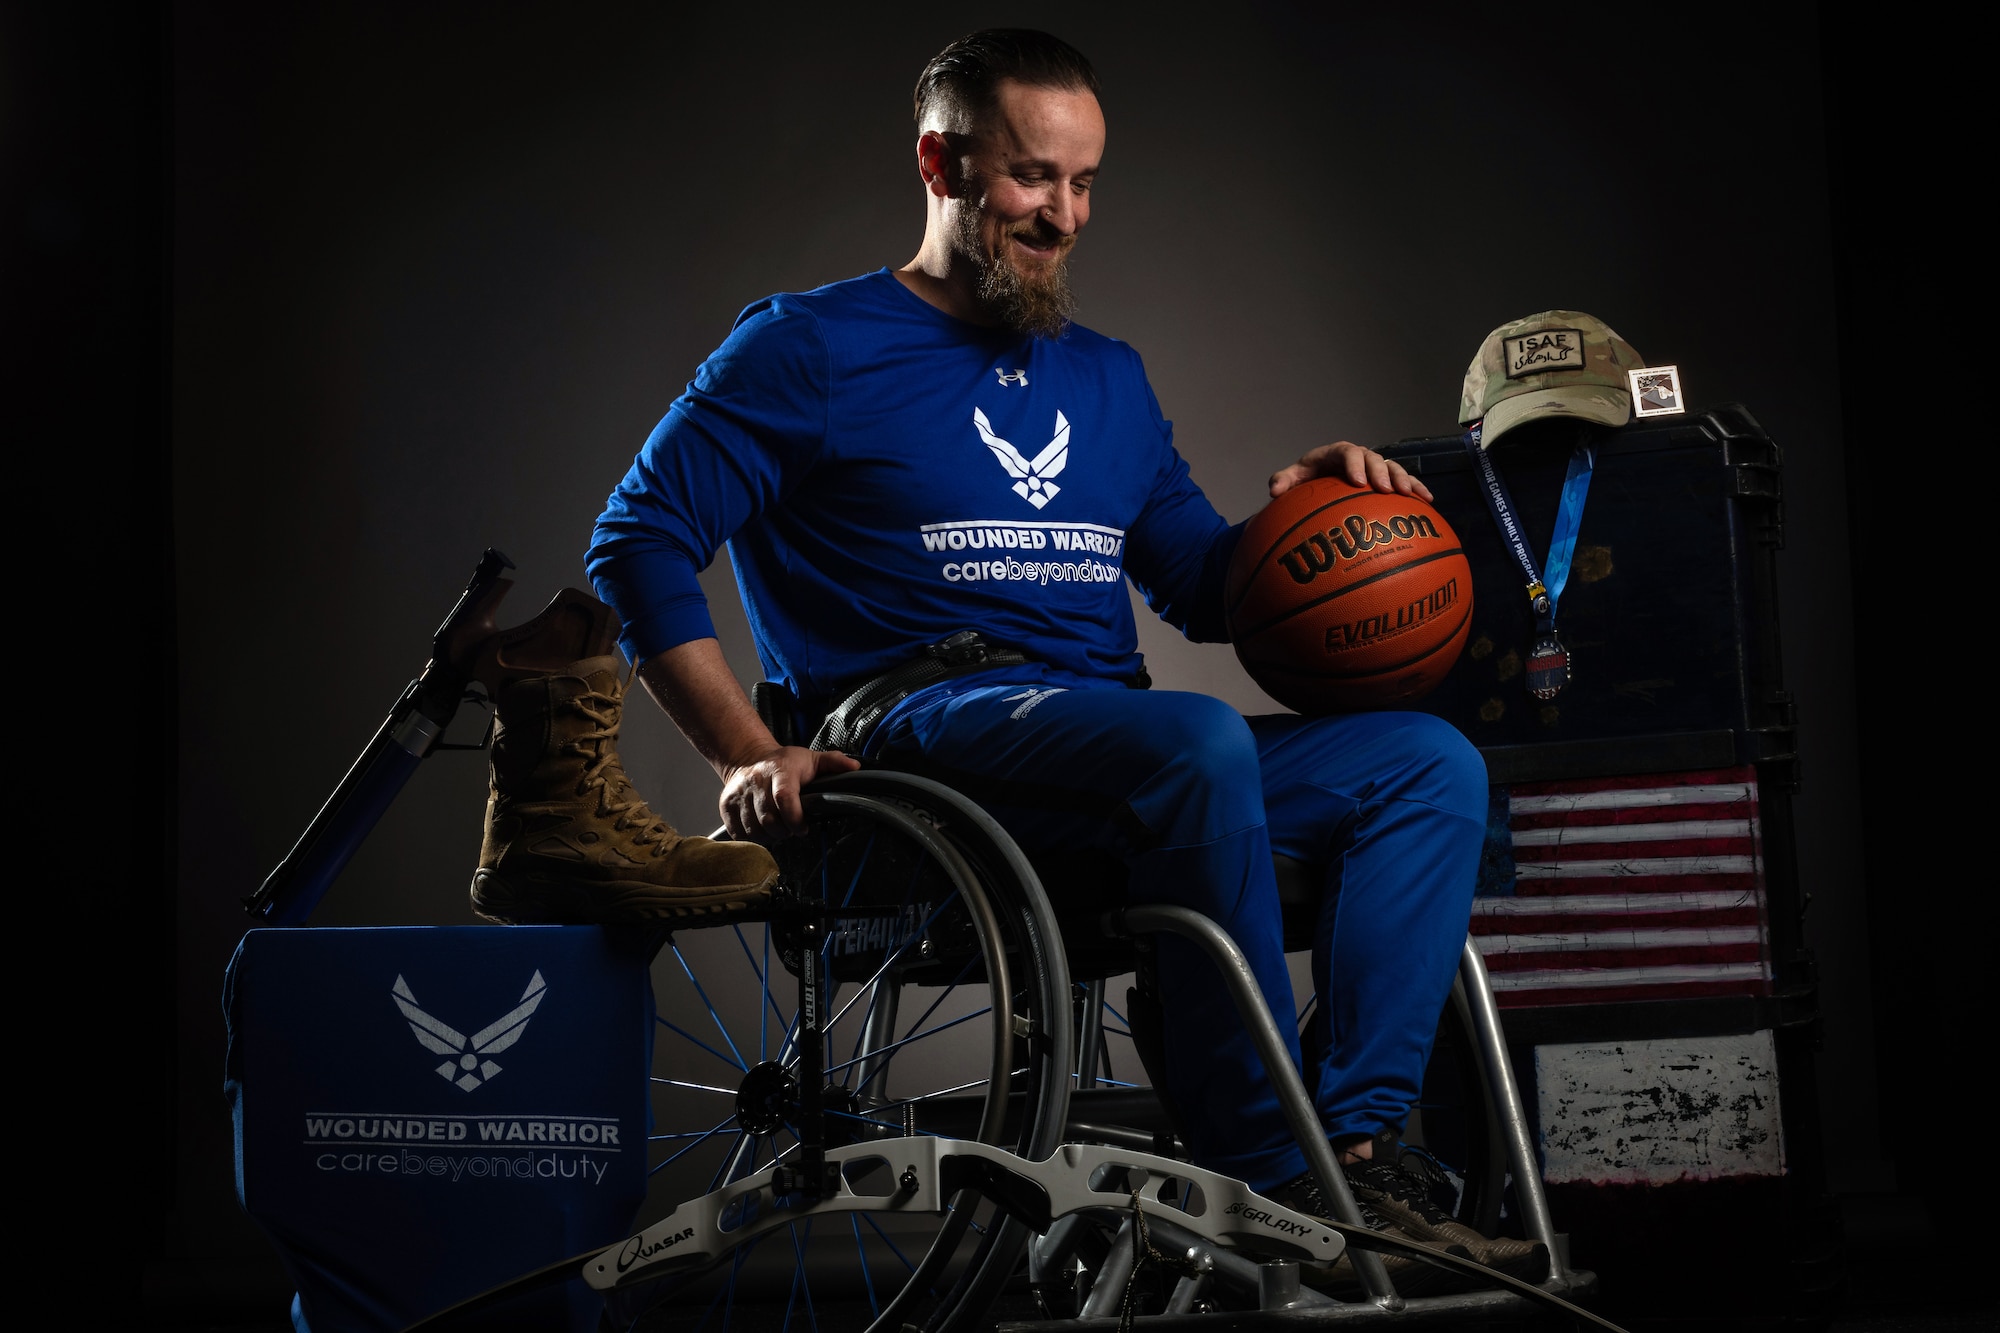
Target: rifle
414 728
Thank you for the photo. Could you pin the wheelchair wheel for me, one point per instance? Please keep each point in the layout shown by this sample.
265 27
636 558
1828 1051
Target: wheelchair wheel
949 1015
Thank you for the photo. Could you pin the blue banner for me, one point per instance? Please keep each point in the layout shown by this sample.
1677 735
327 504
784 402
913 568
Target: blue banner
423 1113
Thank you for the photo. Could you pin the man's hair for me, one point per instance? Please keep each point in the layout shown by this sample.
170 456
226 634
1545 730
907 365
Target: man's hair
960 83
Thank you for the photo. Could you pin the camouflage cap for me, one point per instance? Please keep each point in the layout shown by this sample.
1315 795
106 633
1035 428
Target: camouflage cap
1557 363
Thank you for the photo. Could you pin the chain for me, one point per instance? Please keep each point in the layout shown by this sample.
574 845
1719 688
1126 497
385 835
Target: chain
1143 1253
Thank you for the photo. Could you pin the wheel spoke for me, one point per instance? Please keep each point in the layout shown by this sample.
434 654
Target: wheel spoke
824 869
735 1271
799 1279
826 944
875 987
770 1005
854 877
914 1036
708 1004
945 994
720 1291
727 1166
920 1098
854 1052
884 1236
785 1055
717 1128
870 1120
867 1275
683 1032
952 1208
894 954
763 975
692 1087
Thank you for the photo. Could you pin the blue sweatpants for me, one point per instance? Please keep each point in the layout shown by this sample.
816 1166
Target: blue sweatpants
1196 798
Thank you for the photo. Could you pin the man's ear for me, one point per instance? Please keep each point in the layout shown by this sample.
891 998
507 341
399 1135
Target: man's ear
934 163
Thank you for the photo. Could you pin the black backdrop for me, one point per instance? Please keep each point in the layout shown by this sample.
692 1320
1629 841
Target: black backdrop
341 295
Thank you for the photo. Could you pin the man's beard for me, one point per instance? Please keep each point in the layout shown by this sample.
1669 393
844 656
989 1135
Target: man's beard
1039 302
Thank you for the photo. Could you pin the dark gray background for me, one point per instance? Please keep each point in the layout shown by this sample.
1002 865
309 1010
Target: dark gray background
434 275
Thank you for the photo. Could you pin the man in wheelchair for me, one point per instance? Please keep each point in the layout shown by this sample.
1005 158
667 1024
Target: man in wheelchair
909 455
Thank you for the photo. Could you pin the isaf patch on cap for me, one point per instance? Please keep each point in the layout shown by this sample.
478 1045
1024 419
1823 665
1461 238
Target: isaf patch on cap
1656 391
1543 350
1555 363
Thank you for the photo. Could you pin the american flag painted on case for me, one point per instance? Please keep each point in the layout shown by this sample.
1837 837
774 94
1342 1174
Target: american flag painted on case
1631 888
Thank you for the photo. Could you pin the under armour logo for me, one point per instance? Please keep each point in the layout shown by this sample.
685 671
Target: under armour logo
1019 377
1032 697
468 1064
1033 482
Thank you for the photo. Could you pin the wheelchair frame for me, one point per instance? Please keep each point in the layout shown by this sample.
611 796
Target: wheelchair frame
1042 1183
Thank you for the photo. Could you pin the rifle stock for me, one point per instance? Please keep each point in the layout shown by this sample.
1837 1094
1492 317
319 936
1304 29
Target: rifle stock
409 733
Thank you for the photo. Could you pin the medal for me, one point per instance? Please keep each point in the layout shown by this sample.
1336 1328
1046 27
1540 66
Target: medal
1548 666
1549 660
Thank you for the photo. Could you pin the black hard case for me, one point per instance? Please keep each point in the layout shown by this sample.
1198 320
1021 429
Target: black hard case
1671 619
1670 616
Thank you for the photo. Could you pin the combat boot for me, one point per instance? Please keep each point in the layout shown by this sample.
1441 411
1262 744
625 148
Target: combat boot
568 840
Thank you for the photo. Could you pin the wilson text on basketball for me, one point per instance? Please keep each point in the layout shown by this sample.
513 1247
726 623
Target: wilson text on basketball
1315 555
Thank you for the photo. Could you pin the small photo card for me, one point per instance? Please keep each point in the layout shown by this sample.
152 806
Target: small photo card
1656 391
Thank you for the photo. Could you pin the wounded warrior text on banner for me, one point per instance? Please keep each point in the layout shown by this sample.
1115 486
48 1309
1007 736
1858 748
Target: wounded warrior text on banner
438 1109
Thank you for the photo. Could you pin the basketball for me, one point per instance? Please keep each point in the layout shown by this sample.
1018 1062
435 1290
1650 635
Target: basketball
1341 598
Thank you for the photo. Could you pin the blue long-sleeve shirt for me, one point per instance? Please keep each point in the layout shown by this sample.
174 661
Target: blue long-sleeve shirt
885 475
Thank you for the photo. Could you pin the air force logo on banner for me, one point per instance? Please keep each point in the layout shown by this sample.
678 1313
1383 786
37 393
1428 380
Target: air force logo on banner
468 1062
1034 477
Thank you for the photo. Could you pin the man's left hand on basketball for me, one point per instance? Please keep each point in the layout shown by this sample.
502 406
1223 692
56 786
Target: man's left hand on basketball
1349 462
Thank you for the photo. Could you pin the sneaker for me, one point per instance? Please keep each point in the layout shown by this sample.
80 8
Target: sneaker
1412 1277
1406 1187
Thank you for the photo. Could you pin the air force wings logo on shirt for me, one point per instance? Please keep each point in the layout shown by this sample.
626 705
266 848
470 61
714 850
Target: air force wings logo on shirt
1033 477
468 1062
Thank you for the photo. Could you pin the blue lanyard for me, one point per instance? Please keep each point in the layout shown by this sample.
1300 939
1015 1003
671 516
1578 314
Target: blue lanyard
1545 588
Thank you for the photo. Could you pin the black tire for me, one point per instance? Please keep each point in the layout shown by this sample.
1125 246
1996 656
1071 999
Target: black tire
974 913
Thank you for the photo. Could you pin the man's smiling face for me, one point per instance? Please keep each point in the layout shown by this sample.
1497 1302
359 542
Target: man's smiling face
1022 197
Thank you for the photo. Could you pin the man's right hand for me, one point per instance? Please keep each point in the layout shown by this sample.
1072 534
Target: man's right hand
761 779
760 798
